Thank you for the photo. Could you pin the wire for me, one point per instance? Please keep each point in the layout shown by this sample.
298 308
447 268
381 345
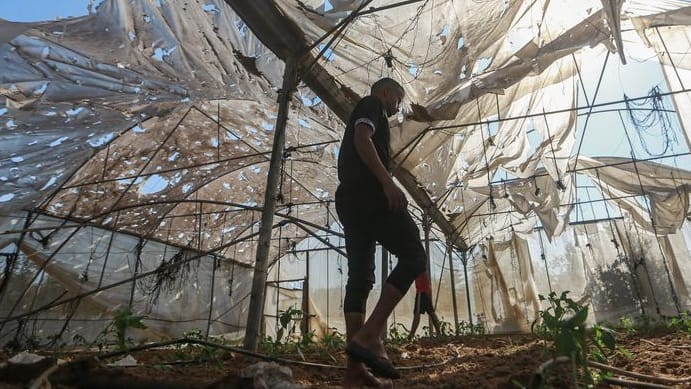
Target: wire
657 117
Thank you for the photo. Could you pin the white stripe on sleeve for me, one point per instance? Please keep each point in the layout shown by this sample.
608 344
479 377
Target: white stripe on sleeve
367 122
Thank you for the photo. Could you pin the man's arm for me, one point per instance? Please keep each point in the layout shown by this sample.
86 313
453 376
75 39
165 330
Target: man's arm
368 153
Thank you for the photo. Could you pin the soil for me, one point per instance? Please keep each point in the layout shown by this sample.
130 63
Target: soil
489 361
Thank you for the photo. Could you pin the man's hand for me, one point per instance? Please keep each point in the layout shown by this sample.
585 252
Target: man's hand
368 153
395 196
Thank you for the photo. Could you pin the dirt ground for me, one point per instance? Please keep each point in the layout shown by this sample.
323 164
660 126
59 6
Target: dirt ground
489 361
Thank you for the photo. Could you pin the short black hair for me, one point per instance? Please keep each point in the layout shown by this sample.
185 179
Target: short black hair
386 82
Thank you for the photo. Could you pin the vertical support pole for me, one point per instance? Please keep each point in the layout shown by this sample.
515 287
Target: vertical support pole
256 304
328 289
453 286
110 246
211 299
426 225
384 276
306 297
544 258
277 284
464 259
137 260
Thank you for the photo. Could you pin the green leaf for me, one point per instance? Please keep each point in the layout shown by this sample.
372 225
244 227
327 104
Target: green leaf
578 319
627 354
285 319
598 356
566 344
135 322
608 340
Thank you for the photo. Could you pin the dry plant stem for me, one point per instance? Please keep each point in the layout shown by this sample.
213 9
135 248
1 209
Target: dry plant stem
41 380
626 383
216 345
658 345
454 349
635 384
663 380
613 369
426 365
250 353
549 363
538 377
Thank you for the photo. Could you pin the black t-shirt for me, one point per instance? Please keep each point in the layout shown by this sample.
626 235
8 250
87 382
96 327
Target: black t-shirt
355 177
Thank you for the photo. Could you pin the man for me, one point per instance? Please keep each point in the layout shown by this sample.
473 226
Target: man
372 208
423 304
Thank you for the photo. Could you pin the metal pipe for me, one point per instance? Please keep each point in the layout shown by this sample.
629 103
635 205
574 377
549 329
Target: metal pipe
453 287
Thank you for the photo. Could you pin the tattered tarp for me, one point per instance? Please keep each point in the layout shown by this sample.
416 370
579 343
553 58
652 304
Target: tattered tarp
154 119
479 76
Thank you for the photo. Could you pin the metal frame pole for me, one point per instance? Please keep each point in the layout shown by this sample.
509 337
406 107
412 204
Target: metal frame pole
453 287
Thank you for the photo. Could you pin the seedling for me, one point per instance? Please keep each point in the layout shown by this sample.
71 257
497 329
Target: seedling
122 321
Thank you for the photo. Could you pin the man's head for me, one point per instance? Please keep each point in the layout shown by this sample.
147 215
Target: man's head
390 93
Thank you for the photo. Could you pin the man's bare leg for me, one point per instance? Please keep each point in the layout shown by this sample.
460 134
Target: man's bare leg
357 375
435 322
369 335
413 326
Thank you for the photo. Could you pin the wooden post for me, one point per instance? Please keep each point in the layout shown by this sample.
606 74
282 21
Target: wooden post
256 307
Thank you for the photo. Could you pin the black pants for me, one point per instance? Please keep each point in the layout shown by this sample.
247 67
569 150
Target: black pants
367 220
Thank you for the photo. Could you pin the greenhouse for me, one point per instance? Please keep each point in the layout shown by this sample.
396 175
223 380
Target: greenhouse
172 165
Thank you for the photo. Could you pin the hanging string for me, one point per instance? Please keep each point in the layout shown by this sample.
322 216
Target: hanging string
644 121
492 204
